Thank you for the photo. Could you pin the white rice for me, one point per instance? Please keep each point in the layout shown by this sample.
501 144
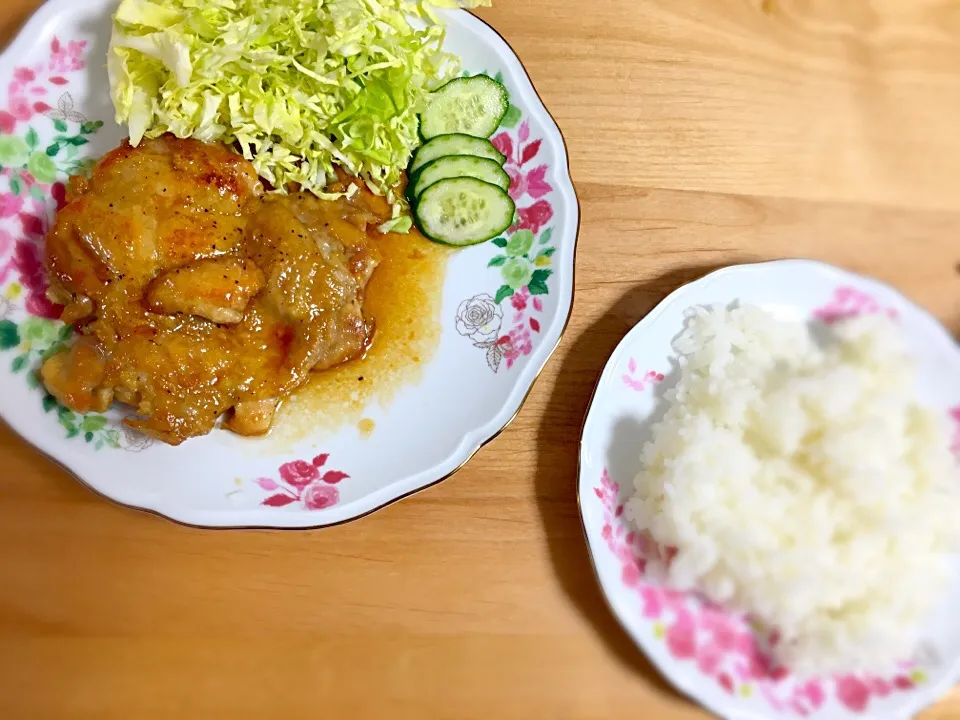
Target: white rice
804 485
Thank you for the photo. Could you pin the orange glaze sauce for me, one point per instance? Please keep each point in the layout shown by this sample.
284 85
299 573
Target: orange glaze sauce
404 298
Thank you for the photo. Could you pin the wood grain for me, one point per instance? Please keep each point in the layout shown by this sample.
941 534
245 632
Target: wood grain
701 133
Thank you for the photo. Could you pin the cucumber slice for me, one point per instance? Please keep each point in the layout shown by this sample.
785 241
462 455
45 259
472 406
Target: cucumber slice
463 211
454 166
455 144
471 105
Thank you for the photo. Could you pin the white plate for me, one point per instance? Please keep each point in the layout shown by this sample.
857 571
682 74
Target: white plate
708 654
53 91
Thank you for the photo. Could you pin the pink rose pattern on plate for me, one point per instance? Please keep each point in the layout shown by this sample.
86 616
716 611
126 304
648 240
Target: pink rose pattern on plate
639 383
524 262
31 171
723 645
308 484
849 301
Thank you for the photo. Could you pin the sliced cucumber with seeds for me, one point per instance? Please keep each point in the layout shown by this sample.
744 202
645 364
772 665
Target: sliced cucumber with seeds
455 144
463 211
455 166
471 105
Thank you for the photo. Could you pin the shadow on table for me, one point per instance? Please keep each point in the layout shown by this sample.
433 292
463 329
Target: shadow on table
558 455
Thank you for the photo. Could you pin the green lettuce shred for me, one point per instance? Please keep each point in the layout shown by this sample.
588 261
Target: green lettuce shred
300 86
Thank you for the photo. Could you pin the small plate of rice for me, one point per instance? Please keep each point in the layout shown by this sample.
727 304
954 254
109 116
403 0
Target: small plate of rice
769 486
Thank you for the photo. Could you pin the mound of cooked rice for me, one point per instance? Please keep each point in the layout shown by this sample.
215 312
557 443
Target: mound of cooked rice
804 484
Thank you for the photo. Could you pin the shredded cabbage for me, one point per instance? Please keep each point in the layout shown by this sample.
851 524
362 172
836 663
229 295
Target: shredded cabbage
299 85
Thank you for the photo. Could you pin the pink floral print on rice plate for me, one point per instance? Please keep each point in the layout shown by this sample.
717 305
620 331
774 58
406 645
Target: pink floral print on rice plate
722 645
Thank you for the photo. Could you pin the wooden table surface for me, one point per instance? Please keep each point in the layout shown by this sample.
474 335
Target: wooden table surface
701 133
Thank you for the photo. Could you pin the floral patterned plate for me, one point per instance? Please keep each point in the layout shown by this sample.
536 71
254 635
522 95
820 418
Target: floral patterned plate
712 655
504 306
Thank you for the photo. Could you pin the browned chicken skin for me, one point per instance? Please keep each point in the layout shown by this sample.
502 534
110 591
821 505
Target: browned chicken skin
197 294
218 289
